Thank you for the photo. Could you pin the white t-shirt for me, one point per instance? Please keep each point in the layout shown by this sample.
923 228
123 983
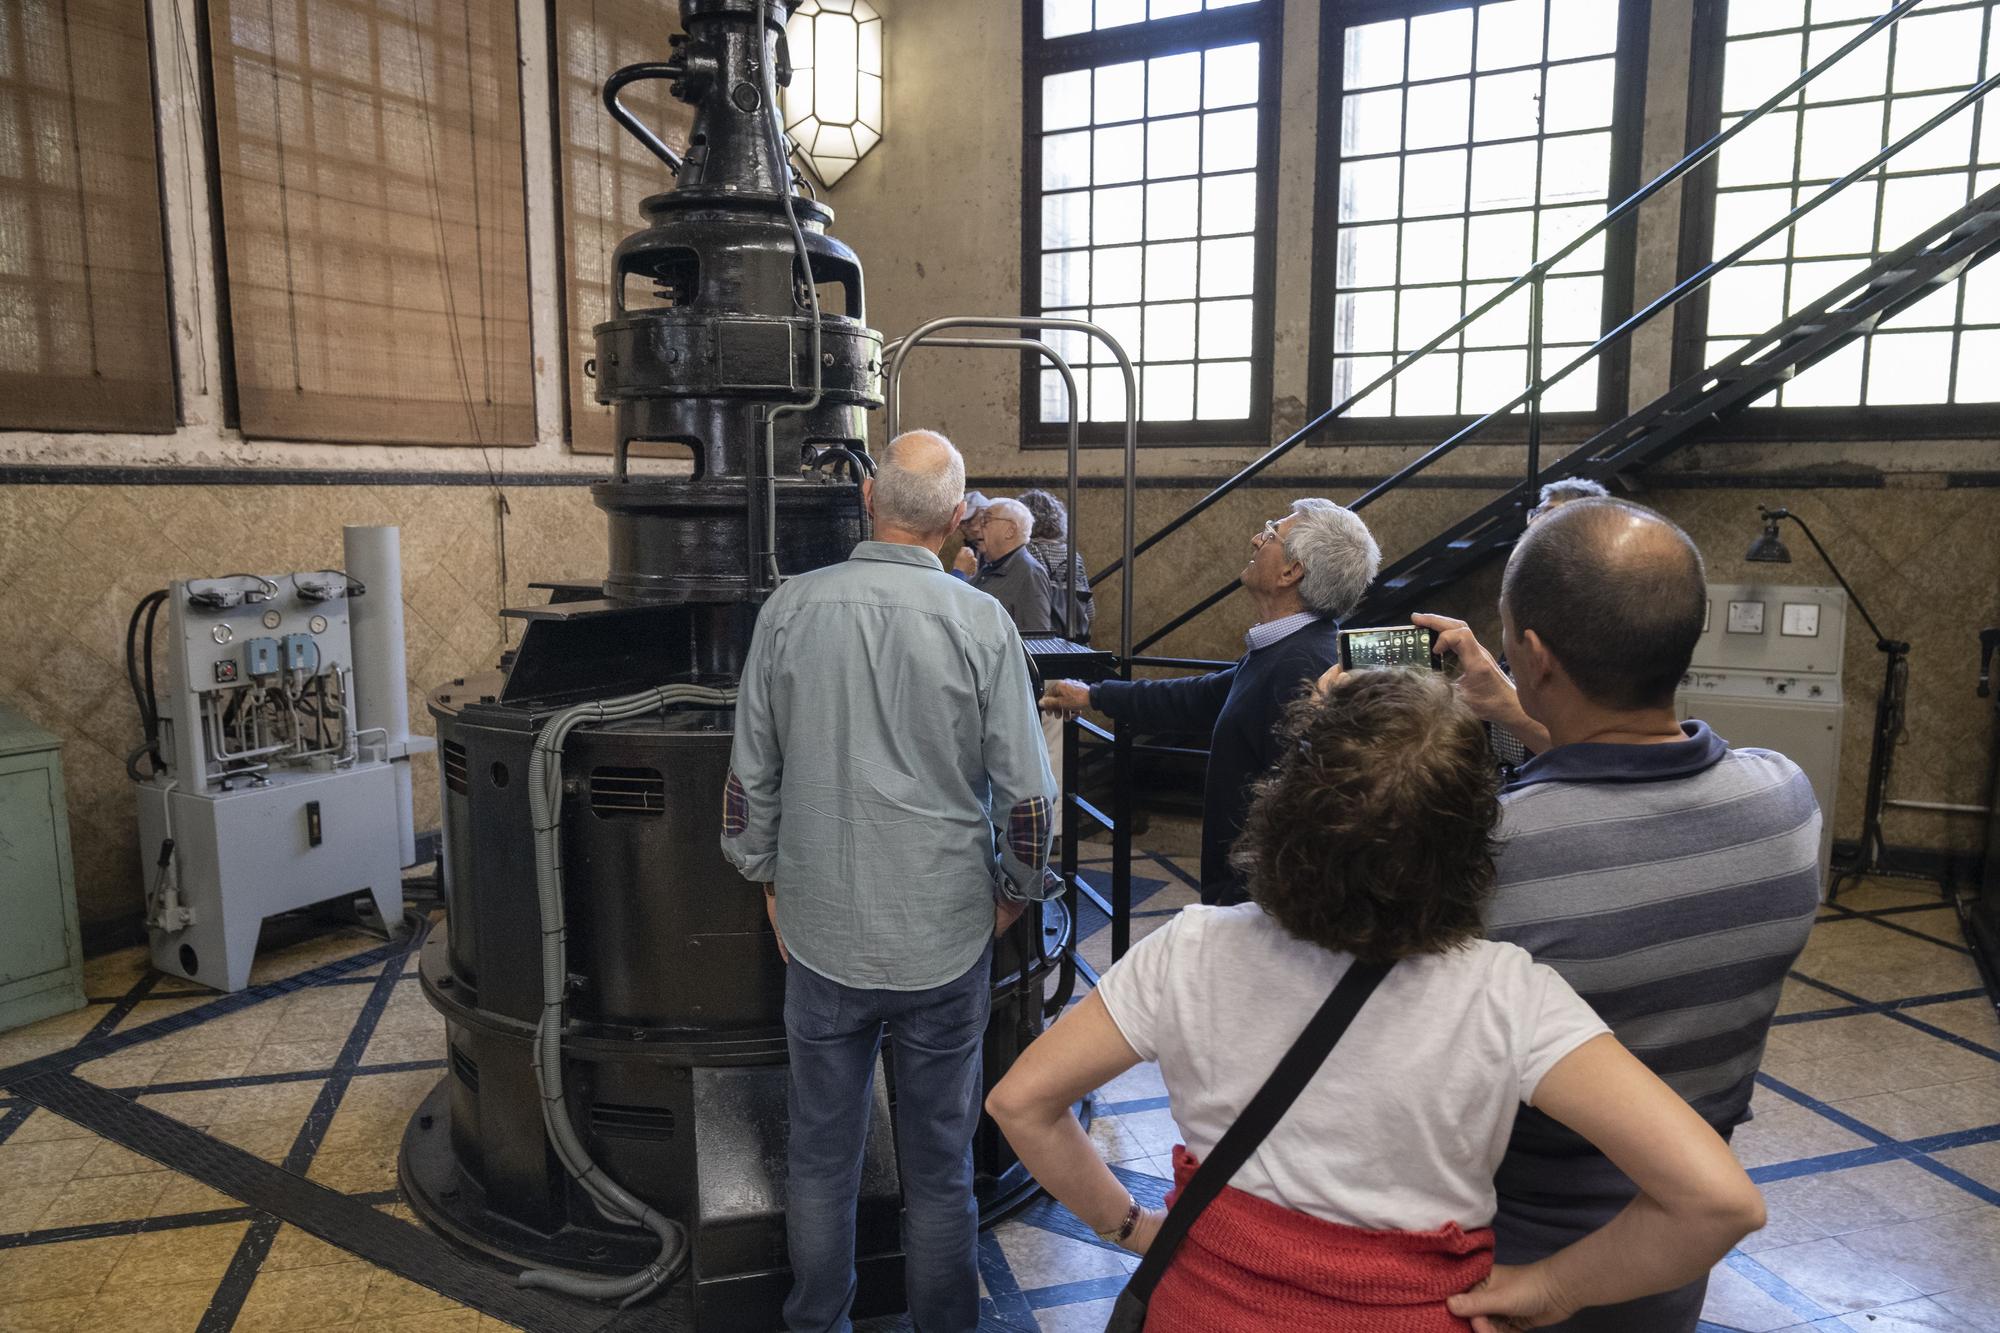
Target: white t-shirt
1407 1119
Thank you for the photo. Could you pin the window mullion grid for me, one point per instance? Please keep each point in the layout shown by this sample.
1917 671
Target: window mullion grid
1200 157
1788 288
1536 205
1396 385
1881 176
1465 248
1972 181
1138 389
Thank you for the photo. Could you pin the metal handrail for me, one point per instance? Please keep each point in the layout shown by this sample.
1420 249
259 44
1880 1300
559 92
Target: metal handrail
1048 353
1680 291
1534 275
924 332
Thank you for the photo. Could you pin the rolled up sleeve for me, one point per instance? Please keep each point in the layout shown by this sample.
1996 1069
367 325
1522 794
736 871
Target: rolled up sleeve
1023 786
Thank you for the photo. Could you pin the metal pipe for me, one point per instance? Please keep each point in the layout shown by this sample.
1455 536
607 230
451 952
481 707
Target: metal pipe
1940 807
774 124
374 555
1618 214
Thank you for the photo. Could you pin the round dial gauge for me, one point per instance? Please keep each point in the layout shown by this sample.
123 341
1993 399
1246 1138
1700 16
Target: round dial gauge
273 618
317 624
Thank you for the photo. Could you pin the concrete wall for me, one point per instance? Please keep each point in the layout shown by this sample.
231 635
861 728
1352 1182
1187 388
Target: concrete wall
934 212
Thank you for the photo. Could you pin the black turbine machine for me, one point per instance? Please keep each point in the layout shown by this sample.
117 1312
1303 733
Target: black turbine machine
599 948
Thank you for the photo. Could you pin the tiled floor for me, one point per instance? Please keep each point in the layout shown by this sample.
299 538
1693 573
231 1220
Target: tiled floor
1877 1142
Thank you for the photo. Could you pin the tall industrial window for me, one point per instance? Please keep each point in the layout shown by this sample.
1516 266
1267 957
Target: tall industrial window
605 172
370 161
1938 352
1460 144
84 340
1150 139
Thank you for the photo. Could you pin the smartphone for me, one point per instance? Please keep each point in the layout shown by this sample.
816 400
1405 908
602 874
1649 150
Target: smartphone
1389 646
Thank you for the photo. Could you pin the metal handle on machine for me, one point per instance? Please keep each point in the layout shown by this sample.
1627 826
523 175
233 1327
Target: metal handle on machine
650 69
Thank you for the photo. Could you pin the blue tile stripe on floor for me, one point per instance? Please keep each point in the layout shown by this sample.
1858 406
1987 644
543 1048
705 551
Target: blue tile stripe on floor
84 1051
1900 929
1878 1006
1779 1290
1891 1147
1888 1011
255 1247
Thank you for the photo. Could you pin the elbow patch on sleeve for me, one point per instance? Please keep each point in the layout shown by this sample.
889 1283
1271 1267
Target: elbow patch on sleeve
735 807
1028 826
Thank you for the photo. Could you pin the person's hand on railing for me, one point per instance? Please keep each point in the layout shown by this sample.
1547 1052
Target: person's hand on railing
1067 697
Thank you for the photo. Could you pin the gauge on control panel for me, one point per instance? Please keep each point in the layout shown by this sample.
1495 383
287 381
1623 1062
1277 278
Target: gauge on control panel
1746 617
273 618
1799 620
317 624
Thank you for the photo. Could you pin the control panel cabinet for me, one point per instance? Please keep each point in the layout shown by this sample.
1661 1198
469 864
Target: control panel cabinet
41 953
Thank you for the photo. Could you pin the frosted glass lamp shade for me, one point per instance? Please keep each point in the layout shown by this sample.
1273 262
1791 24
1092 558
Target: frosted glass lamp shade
833 108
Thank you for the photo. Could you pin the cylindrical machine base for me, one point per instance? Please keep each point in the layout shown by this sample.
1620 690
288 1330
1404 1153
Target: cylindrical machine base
674 1062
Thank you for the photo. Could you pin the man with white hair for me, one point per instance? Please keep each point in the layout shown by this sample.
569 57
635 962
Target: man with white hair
890 790
1307 570
1009 571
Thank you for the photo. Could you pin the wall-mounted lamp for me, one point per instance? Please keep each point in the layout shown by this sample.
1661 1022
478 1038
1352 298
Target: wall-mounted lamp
1769 549
833 107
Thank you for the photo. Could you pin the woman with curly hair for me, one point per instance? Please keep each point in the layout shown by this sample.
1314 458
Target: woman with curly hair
1367 1207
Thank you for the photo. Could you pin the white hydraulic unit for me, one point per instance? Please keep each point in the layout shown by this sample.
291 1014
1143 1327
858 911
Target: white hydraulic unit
1767 674
280 754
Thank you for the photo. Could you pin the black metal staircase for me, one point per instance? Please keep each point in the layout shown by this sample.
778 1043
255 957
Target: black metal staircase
1852 310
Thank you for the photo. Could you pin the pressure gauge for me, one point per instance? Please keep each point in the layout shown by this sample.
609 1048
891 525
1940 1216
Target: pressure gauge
1800 620
222 633
317 624
273 618
1746 617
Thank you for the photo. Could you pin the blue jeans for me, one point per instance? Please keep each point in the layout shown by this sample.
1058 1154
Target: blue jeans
834 1033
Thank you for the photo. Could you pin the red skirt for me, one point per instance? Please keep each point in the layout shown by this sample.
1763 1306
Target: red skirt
1250 1265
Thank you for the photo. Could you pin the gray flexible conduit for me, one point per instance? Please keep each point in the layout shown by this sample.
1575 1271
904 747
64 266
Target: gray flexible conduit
545 776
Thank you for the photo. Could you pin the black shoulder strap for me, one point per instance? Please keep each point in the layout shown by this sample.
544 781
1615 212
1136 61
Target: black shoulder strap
1260 1117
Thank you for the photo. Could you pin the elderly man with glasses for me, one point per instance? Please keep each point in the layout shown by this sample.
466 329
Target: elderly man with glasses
1307 570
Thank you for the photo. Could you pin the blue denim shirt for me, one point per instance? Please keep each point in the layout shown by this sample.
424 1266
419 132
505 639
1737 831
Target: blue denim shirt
888 773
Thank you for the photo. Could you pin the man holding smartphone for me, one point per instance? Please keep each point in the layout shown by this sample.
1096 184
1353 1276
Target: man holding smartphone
1306 571
1670 879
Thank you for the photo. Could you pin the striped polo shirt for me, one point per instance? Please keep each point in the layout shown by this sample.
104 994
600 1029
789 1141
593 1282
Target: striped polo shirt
1672 886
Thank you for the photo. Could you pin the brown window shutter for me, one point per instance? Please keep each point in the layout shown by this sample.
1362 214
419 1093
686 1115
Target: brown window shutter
369 153
85 342
606 172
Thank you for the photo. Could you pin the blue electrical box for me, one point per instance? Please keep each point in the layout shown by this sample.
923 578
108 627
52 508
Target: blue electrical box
301 653
261 657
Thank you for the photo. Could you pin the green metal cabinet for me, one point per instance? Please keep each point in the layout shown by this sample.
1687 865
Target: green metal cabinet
41 953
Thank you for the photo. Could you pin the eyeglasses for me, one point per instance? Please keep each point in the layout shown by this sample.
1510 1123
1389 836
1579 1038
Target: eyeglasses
1270 530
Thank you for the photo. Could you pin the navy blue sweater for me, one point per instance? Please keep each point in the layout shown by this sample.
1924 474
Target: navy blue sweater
1241 708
